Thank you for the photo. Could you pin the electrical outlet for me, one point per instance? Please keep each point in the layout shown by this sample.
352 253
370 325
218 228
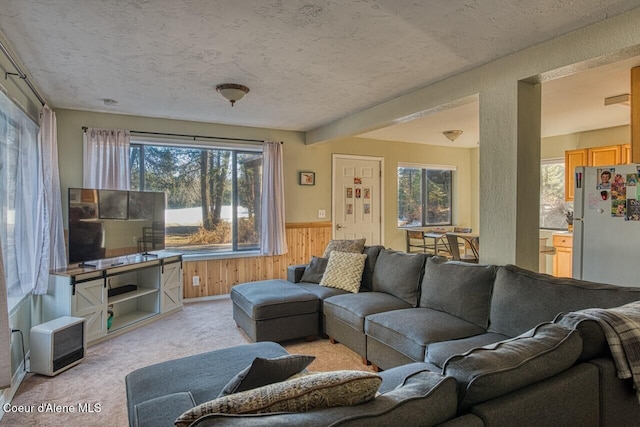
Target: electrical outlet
322 213
195 281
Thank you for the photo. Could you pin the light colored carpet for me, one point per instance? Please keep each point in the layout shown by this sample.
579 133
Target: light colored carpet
199 327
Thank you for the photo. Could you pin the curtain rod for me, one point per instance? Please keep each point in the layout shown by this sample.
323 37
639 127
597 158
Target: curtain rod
20 74
84 129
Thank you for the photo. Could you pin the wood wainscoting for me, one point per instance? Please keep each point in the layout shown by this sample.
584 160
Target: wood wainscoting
217 276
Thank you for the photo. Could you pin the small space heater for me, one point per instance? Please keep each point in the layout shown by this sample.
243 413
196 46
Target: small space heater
58 345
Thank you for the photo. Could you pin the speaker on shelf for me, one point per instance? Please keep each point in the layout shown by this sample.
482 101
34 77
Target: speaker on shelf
57 345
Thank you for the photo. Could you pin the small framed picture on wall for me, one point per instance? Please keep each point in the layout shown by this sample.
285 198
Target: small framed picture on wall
307 178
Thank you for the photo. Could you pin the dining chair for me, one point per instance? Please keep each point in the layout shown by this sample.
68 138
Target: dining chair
454 247
416 239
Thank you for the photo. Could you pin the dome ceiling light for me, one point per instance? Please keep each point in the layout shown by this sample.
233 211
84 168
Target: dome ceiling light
232 92
452 135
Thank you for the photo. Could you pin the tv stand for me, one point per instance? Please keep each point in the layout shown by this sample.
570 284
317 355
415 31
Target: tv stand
86 264
154 287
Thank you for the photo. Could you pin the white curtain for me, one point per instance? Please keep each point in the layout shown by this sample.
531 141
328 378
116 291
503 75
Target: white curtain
106 159
30 231
52 191
273 236
5 334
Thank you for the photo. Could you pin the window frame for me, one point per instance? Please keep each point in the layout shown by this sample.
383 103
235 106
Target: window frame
551 161
234 148
425 168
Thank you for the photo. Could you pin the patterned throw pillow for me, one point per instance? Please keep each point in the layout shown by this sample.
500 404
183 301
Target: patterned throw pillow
266 371
344 271
354 246
322 390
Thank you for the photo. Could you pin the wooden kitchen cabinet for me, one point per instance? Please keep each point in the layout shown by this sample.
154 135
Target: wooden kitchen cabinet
604 156
596 156
563 259
572 159
626 154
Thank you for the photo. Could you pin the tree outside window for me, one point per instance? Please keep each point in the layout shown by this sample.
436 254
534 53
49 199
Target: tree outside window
424 197
213 195
553 206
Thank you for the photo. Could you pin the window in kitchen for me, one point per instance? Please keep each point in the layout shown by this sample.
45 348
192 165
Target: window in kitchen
213 193
553 207
424 195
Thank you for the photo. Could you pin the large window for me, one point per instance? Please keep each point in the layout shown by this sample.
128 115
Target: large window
553 207
20 192
213 194
424 196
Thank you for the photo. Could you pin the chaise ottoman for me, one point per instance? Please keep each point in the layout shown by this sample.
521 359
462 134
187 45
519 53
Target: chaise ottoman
275 310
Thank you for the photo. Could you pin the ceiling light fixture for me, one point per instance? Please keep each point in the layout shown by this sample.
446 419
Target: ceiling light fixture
232 92
624 99
452 135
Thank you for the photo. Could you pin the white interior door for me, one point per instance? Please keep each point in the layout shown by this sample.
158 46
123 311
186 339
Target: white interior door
357 198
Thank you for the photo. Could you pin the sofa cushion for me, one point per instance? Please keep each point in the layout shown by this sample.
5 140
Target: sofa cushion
314 271
273 299
263 371
491 371
344 271
372 253
424 398
459 288
398 329
321 390
204 375
353 246
440 352
353 308
322 292
594 342
522 298
162 410
398 274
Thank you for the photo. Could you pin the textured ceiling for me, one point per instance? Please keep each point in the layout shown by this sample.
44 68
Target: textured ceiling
307 62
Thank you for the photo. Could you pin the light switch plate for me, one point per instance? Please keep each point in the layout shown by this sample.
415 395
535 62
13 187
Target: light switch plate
322 213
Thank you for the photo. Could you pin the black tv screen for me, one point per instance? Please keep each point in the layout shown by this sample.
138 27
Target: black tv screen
113 223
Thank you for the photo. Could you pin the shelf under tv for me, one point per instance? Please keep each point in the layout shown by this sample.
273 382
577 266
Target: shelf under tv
130 295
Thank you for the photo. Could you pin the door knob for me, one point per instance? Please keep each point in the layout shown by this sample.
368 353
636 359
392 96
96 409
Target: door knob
339 227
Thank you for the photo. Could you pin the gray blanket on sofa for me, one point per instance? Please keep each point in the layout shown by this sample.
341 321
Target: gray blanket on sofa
621 326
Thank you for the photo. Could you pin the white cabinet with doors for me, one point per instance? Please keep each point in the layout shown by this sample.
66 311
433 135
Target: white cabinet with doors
153 288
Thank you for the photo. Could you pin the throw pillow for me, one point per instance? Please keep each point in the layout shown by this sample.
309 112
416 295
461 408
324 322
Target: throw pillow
344 271
459 288
266 371
314 271
398 274
354 246
487 372
322 390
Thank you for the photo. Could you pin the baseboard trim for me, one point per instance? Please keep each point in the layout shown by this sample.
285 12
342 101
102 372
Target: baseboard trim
209 298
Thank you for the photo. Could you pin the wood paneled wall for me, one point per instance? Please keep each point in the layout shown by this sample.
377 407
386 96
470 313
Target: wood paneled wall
217 276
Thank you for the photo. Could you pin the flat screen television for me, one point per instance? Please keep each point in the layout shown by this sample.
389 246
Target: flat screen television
114 223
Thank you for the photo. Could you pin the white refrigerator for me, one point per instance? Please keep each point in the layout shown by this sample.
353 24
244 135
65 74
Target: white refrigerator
606 225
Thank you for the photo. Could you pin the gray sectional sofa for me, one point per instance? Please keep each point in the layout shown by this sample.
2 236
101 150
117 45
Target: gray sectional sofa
488 341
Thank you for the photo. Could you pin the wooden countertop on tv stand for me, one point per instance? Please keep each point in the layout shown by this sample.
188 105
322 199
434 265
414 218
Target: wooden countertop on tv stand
121 262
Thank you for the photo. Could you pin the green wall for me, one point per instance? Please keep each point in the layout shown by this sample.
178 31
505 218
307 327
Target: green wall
554 146
302 202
